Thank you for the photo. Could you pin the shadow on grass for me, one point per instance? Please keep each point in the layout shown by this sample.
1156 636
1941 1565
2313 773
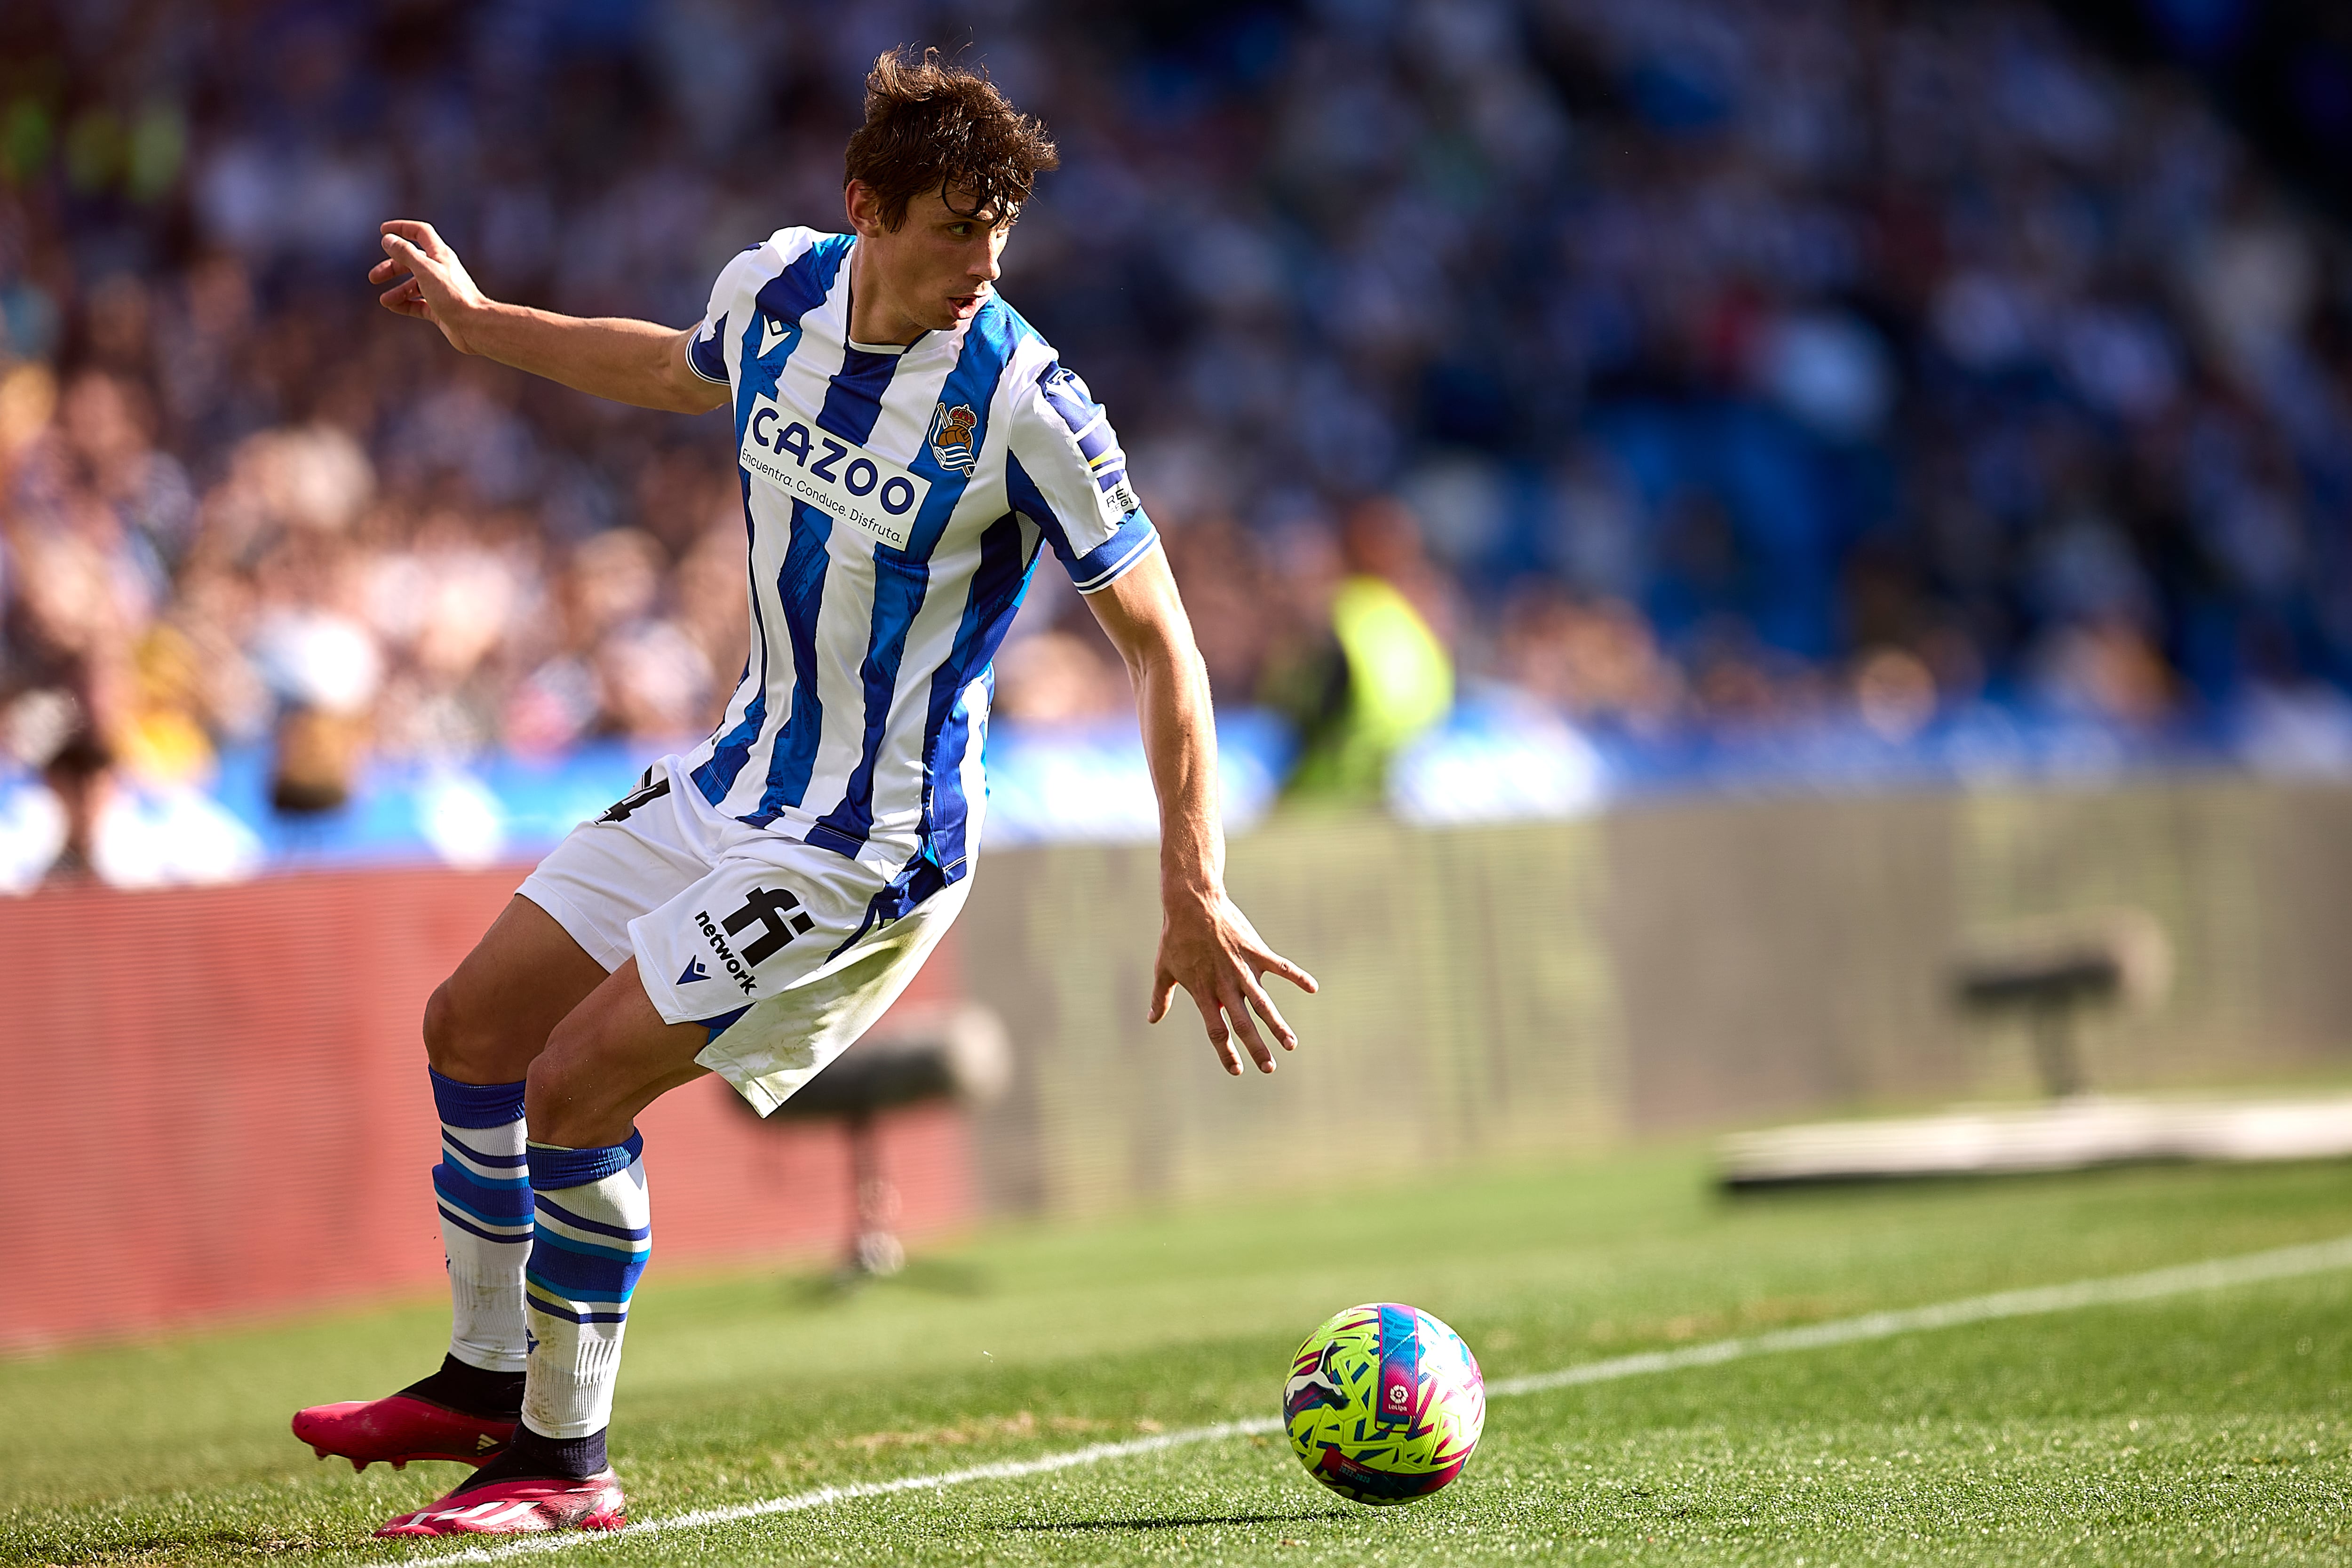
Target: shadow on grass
173 1546
1180 1523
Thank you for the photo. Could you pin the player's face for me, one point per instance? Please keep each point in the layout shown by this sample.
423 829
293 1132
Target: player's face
934 271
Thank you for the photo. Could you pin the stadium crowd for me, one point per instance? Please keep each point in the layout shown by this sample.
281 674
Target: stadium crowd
1686 365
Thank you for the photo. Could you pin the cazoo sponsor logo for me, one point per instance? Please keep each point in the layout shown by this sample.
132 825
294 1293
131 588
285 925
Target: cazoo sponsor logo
849 484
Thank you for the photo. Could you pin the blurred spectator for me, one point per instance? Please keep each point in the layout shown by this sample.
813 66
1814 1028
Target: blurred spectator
1379 675
1596 660
1723 366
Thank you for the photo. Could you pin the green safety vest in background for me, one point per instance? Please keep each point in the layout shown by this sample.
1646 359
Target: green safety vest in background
1399 681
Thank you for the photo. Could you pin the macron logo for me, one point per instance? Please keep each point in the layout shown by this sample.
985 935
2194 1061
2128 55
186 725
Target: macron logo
771 332
694 972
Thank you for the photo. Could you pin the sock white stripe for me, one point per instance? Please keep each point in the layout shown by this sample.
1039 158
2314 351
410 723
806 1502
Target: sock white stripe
482 1171
574 1365
485 1323
639 1246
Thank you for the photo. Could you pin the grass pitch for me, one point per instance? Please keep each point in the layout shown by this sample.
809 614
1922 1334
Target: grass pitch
2209 1424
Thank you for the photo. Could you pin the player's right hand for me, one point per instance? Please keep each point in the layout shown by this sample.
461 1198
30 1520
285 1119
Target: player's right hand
436 287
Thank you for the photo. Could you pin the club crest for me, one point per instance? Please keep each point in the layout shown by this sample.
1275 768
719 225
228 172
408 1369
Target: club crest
952 438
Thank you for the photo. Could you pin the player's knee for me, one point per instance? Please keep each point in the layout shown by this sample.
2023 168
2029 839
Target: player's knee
463 1044
441 1028
567 1100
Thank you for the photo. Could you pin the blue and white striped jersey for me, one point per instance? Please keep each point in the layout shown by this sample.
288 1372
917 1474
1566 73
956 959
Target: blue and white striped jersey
896 500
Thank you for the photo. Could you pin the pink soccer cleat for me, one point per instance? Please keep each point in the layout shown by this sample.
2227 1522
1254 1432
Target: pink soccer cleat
398 1429
519 1508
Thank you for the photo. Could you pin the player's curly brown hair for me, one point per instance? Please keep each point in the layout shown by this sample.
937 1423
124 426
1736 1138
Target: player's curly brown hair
933 125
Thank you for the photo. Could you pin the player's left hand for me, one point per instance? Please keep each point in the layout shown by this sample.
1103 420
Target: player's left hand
432 284
1209 947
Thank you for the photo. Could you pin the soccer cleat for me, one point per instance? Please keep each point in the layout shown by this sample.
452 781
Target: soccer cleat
519 1508
399 1428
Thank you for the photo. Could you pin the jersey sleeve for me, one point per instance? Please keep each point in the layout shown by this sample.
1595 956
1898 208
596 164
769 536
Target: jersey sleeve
733 298
1065 471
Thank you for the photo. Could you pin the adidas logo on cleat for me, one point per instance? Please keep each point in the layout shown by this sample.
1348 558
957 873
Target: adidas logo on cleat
484 1443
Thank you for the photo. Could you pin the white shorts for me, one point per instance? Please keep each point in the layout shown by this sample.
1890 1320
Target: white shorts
772 946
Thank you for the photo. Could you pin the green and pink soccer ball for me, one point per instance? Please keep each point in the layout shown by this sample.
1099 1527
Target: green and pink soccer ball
1384 1404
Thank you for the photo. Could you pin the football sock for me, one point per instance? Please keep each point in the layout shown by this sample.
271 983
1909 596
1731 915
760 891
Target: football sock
486 1226
533 1457
471 1391
593 1232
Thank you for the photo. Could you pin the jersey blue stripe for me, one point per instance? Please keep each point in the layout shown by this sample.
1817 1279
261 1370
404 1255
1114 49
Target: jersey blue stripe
998 588
1030 502
852 403
902 578
717 775
899 585
799 588
788 296
801 288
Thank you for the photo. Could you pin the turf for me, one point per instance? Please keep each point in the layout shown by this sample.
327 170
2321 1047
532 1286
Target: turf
2201 1427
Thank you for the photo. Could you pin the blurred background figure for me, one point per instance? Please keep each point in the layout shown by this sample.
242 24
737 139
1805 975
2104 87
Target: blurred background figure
1367 670
1797 394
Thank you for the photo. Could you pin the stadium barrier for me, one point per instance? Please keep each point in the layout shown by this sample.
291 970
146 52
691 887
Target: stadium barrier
218 1108
1545 988
219 1111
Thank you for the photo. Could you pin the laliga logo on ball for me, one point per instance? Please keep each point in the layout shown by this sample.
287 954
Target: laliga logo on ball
1384 1404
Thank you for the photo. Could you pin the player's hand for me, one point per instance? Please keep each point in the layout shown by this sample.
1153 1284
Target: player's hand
1209 947
436 286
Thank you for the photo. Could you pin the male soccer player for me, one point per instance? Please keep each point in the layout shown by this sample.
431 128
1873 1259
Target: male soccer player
908 444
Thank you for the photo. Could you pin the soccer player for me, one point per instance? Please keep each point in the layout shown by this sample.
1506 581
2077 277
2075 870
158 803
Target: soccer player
907 447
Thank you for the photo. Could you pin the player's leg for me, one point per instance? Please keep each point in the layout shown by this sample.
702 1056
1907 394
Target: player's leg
607 1060
817 957
482 1029
551 948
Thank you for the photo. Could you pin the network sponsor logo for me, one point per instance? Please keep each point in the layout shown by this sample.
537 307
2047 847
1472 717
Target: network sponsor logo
780 918
849 484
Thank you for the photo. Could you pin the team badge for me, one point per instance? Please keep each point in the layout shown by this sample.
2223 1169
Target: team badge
952 438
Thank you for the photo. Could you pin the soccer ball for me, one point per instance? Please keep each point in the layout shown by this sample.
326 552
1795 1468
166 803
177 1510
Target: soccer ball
1384 1404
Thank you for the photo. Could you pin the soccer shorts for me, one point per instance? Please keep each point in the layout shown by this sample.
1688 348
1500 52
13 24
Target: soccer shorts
769 943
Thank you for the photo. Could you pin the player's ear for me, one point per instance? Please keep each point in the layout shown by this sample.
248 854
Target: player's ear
864 206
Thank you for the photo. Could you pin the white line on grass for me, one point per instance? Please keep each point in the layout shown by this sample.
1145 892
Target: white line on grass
2216 1274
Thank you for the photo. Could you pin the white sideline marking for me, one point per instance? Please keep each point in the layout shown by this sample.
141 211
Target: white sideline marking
2215 1274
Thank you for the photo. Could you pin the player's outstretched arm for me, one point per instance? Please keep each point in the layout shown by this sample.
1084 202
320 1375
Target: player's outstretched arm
628 361
1206 944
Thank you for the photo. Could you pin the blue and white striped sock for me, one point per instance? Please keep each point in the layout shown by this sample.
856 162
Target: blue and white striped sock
485 1201
594 1232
